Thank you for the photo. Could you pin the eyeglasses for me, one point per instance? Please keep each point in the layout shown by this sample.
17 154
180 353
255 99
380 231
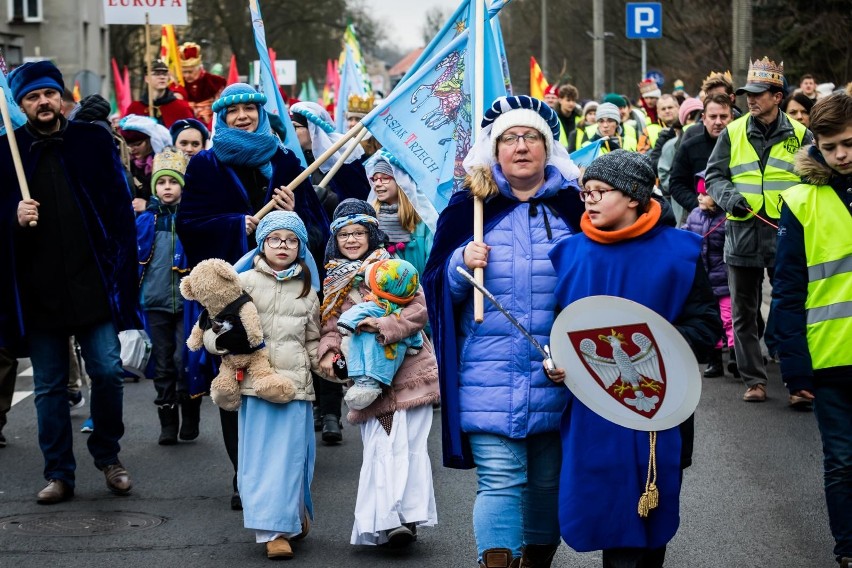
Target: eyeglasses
276 242
530 138
381 180
594 195
357 235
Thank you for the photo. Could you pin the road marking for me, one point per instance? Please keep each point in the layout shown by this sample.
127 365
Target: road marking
19 396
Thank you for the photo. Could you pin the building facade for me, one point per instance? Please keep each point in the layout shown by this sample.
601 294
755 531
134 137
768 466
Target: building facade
71 33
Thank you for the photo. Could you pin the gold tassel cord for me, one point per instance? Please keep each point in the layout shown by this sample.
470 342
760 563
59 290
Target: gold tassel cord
650 499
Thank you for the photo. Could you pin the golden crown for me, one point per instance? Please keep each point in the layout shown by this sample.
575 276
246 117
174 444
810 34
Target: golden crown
190 54
716 75
361 105
170 159
766 72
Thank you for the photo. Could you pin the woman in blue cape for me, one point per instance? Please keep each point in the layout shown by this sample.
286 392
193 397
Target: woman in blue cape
226 185
500 412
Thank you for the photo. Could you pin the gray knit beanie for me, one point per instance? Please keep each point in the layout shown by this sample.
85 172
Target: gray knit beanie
383 167
629 172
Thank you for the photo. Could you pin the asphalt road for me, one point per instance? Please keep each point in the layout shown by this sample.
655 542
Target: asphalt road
753 497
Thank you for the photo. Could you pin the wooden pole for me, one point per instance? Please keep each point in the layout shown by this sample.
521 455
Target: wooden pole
351 148
148 67
478 111
13 146
313 167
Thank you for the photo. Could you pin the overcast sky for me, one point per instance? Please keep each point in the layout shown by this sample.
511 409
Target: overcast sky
402 20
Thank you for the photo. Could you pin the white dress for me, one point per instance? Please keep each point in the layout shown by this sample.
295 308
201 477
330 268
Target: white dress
395 485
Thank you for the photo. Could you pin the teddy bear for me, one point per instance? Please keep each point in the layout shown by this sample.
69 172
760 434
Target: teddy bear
230 326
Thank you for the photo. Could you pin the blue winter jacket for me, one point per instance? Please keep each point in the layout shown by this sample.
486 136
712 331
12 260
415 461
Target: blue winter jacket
502 386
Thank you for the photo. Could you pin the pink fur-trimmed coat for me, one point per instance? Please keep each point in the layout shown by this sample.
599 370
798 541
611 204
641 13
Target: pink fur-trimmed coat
416 382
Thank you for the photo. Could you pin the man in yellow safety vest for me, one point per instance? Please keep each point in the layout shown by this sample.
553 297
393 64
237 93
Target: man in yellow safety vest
812 295
751 164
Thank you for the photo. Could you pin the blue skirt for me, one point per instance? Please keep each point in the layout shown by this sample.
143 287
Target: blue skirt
277 450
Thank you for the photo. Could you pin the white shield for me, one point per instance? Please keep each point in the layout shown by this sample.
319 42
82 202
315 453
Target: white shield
626 363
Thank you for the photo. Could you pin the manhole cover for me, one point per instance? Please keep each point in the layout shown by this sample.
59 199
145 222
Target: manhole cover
79 523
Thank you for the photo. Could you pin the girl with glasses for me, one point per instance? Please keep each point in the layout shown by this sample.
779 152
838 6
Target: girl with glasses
277 446
395 427
405 215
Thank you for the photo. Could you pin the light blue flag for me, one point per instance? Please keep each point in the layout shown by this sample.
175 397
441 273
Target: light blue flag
15 113
426 122
351 83
497 30
585 155
274 101
456 25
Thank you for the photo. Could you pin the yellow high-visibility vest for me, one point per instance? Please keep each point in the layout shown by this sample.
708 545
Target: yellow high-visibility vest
828 250
762 187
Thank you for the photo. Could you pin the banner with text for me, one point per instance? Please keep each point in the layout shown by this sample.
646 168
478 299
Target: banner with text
133 12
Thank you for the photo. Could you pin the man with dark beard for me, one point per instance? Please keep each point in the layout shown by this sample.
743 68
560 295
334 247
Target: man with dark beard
69 268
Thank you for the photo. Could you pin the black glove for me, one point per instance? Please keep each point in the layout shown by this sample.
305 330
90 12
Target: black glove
739 210
613 143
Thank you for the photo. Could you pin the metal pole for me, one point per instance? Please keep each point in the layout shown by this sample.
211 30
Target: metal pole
644 58
544 66
598 49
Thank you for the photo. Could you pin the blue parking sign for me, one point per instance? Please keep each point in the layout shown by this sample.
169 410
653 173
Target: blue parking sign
644 20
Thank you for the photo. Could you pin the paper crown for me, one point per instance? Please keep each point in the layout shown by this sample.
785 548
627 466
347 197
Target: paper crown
717 75
170 159
190 54
766 72
678 85
360 105
647 86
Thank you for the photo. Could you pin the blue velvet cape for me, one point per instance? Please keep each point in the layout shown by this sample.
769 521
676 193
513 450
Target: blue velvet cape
455 228
96 177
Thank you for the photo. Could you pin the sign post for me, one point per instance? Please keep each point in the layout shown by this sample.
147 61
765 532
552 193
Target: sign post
644 21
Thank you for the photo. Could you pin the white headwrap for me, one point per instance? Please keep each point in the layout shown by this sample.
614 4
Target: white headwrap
428 213
323 136
159 134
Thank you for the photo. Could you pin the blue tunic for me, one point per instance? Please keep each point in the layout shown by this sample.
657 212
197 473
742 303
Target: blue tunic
604 466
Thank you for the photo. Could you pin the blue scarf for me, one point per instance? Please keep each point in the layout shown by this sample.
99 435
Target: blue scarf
240 148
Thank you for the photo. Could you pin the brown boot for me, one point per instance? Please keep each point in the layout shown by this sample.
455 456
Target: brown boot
279 548
538 555
499 558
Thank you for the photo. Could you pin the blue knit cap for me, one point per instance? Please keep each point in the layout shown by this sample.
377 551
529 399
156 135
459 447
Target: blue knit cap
237 93
35 75
241 148
192 123
276 221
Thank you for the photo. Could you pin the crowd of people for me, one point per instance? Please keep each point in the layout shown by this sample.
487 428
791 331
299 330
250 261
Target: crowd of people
357 287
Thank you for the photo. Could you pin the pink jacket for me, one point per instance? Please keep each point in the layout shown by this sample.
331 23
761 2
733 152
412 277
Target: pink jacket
416 382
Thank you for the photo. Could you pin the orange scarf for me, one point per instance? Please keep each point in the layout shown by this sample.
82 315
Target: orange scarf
643 224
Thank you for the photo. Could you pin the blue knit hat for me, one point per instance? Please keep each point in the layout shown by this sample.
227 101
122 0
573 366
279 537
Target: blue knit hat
237 93
35 75
184 123
241 148
276 221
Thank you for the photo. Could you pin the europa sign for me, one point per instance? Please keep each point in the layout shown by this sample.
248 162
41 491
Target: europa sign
133 12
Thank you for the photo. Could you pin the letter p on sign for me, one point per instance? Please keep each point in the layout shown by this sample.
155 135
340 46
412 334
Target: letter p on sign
644 20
